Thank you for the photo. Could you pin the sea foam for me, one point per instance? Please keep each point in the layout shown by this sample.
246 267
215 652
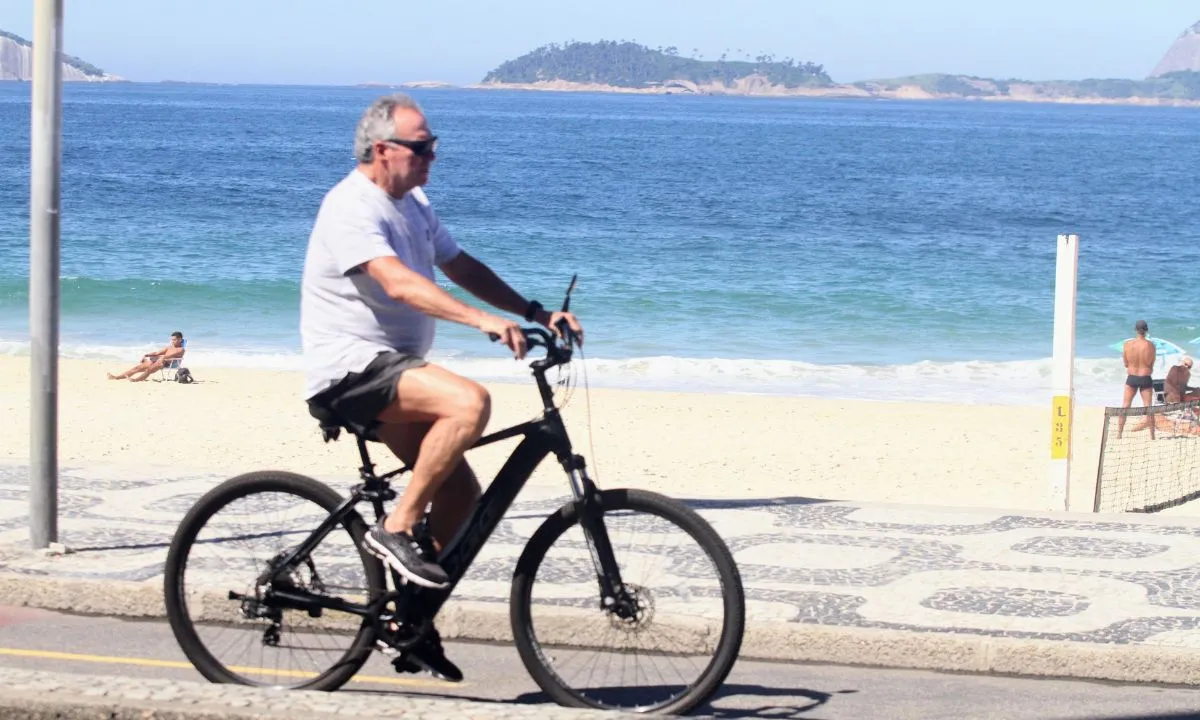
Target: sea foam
1098 381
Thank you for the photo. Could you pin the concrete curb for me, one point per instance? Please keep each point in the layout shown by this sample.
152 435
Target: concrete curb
765 640
34 695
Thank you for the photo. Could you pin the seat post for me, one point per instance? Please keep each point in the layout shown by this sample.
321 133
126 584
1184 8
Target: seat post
367 471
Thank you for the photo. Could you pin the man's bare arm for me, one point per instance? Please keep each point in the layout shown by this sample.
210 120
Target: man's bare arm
411 288
417 291
478 279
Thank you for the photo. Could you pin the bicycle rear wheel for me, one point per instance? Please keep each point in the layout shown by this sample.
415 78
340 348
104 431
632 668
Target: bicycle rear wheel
687 632
232 536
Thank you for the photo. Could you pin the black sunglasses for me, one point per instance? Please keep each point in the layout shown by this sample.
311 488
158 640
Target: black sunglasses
420 148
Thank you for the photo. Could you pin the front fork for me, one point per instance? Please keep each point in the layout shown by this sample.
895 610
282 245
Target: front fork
589 508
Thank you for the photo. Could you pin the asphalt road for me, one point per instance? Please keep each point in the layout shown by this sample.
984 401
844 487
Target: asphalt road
40 640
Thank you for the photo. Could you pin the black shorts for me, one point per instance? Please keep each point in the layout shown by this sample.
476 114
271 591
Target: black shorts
1139 382
355 401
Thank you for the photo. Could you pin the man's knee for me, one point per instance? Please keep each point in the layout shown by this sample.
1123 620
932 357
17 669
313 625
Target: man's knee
472 403
432 393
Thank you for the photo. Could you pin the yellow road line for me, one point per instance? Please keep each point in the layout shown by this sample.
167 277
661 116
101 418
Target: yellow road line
177 664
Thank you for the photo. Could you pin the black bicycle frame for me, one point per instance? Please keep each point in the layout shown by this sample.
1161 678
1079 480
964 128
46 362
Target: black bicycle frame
547 435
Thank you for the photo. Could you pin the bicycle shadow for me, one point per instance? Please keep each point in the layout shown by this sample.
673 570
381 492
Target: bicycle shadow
166 544
782 711
714 708
1181 715
750 503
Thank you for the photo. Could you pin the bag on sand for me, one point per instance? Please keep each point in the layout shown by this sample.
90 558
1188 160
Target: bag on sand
183 375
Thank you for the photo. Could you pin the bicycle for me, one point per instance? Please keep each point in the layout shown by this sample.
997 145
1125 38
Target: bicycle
282 601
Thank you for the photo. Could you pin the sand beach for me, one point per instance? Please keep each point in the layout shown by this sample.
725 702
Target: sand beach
687 445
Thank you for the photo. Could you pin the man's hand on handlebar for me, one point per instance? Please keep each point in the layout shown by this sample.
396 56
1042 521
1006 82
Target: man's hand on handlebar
554 321
505 331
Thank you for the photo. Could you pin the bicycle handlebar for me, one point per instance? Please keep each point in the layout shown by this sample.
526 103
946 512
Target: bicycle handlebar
557 352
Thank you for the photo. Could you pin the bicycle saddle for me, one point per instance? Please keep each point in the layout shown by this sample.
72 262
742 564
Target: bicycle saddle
332 424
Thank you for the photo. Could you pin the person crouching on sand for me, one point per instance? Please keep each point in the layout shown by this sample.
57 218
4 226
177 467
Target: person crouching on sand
154 361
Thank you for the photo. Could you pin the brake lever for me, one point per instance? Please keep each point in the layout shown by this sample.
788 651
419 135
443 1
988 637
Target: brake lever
566 333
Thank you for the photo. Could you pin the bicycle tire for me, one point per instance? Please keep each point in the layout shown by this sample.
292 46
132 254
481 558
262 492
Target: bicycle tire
688 521
181 544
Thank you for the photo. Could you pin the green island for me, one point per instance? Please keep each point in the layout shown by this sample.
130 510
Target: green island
69 60
629 67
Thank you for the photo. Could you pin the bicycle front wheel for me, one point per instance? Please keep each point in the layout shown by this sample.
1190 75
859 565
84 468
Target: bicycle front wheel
677 649
232 538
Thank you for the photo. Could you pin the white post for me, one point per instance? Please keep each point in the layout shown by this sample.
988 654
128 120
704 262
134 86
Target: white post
1062 404
45 156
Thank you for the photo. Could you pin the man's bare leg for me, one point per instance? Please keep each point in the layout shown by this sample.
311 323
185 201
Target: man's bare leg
1147 396
135 369
1126 401
455 499
456 410
453 503
146 371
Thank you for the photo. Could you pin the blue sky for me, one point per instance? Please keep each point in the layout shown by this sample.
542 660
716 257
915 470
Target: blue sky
352 41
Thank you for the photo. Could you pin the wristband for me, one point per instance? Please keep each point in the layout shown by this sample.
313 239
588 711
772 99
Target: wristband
532 310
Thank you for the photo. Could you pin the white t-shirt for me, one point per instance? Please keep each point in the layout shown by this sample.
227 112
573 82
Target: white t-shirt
346 318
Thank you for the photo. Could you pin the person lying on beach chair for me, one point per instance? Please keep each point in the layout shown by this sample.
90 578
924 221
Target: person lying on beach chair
153 362
1175 387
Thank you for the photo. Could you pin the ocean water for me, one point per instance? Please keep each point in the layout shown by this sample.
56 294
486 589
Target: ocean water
837 248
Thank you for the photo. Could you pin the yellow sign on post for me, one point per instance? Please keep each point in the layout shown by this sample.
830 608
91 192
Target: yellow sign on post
1060 428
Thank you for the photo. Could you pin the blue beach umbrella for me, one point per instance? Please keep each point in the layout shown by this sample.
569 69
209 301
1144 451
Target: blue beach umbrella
1161 347
1166 353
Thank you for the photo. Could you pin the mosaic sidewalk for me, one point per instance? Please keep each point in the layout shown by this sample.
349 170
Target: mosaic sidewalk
1076 578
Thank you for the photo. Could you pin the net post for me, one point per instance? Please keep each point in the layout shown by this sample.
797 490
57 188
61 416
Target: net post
1063 372
45 156
1108 414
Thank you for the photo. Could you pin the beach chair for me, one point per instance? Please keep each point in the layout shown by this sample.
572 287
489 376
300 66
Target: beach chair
171 367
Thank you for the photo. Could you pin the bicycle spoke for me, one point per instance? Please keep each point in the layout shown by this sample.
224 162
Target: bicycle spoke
244 537
657 655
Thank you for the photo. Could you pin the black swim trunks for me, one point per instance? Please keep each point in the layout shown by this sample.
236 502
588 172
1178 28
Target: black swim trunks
1139 382
358 398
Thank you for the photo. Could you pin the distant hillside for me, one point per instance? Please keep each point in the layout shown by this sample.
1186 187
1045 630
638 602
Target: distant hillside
631 66
1168 88
1183 55
608 66
16 63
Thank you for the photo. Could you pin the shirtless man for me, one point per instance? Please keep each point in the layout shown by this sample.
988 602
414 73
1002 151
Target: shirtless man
1139 363
152 362
1175 387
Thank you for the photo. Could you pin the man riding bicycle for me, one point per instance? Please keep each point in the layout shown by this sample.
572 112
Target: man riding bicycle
367 313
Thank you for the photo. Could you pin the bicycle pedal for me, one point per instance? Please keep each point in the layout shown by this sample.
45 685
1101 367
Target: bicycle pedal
402 664
439 667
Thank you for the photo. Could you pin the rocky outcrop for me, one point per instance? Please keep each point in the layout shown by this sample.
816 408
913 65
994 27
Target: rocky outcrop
927 87
16 63
1183 55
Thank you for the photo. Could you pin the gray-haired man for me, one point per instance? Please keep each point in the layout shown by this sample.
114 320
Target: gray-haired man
367 312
